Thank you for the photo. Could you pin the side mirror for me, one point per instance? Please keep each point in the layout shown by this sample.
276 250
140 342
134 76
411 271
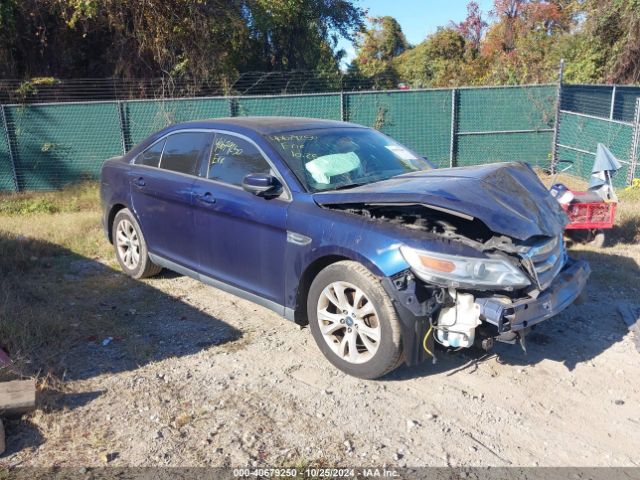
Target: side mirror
262 185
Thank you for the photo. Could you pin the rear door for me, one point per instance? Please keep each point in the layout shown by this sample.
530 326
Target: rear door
161 192
241 237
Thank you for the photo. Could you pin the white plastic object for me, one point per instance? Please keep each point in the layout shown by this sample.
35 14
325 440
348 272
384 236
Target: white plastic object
459 322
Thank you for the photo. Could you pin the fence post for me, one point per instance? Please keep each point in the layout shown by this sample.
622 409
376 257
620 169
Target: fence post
123 135
635 141
613 102
233 106
556 125
12 158
343 99
454 126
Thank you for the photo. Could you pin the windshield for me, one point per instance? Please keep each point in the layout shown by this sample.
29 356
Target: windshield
334 158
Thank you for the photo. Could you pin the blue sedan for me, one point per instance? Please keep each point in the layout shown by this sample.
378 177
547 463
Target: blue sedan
340 227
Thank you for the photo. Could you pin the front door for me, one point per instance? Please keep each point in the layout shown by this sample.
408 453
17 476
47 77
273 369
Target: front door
241 237
161 194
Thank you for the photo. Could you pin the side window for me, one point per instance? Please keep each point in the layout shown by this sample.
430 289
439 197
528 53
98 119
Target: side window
183 151
232 158
151 156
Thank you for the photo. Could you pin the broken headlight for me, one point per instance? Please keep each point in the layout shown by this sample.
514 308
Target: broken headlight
465 272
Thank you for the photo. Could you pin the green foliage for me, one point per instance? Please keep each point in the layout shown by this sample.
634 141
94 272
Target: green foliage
613 30
30 87
599 39
378 46
412 66
584 62
77 198
210 40
204 40
298 34
441 60
27 206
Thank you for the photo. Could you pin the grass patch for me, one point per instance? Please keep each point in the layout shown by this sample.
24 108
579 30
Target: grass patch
43 306
80 197
37 228
627 227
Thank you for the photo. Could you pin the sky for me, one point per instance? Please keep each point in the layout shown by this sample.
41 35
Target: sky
418 18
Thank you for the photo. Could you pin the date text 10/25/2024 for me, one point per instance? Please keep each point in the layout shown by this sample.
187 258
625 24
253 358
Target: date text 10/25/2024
311 472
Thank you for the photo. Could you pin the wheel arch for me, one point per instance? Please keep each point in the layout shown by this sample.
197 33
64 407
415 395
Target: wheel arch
112 215
313 269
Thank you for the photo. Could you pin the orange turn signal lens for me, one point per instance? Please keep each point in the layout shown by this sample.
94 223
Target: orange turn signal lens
437 264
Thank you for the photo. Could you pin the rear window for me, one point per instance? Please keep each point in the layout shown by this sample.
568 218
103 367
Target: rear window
183 151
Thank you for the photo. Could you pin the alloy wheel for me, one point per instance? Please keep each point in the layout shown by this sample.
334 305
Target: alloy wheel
349 322
128 244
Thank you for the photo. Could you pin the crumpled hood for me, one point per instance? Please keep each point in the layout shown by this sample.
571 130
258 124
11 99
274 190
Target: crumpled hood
507 197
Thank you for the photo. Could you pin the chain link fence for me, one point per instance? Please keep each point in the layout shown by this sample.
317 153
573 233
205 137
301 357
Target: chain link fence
592 114
47 144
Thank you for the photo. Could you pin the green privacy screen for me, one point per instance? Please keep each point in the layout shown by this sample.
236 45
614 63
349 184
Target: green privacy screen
502 124
421 120
54 145
578 139
6 170
325 106
533 148
604 101
144 117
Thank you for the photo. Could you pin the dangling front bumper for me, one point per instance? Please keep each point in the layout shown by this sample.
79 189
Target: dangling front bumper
516 315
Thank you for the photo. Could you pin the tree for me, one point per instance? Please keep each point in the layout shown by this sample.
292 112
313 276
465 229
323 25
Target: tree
523 44
438 61
377 47
299 34
196 39
473 26
612 28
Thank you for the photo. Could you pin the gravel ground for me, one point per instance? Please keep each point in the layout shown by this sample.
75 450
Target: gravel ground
206 379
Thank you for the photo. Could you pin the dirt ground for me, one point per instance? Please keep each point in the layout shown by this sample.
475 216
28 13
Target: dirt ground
173 372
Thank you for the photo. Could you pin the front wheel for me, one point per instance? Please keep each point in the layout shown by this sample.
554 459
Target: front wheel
353 321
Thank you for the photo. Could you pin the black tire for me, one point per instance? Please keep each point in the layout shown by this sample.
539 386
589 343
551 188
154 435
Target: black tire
388 355
144 267
594 238
597 238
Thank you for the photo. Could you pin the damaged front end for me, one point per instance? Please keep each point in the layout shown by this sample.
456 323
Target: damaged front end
462 317
513 274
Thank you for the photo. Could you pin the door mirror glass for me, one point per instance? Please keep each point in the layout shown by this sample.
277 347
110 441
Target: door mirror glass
262 185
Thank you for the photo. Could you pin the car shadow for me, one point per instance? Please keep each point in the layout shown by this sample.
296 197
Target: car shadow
69 317
21 434
626 232
575 336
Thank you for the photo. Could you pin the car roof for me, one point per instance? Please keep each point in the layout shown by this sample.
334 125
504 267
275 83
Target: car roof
266 125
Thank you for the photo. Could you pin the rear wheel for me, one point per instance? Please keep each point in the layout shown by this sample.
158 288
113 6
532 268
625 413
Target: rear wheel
353 321
131 248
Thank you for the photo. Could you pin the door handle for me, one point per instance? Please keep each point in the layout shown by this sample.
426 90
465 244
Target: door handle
206 198
139 182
